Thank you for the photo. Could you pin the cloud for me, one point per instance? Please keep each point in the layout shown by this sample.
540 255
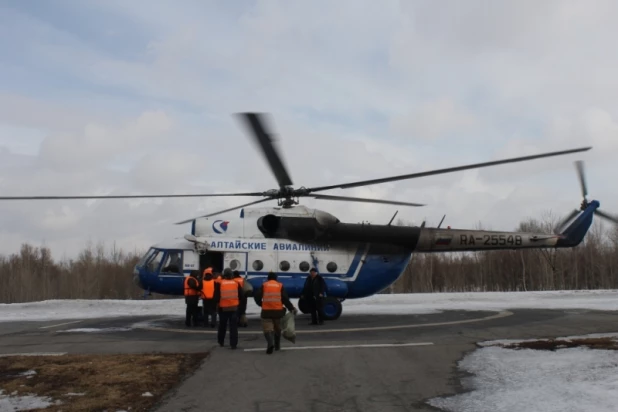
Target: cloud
139 100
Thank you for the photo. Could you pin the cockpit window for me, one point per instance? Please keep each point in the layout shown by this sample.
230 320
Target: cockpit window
147 256
173 263
155 261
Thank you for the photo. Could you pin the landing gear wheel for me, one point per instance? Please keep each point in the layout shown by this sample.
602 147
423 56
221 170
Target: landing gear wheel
332 308
303 306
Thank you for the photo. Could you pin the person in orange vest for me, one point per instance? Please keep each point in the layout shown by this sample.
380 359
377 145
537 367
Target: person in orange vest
242 317
228 296
208 298
273 297
192 297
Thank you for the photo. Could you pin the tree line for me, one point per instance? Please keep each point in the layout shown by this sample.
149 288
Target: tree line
107 273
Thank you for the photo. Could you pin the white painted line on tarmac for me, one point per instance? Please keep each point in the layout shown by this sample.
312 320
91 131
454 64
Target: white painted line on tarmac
202 330
59 324
374 345
4 355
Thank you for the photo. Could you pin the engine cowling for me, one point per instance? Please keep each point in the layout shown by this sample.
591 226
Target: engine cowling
297 228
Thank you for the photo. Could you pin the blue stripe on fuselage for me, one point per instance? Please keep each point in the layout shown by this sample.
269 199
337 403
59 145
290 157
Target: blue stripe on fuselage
377 272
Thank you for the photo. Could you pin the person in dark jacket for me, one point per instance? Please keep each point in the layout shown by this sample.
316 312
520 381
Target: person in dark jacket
314 292
228 296
193 290
273 299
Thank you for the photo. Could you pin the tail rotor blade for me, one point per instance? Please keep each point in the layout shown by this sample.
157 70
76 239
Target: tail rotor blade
606 216
562 224
579 164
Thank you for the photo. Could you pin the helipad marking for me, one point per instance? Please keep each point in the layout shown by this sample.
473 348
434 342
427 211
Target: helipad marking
502 314
5 355
375 345
59 324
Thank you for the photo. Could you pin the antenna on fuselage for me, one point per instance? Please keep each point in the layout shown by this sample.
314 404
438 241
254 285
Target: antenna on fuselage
440 224
393 218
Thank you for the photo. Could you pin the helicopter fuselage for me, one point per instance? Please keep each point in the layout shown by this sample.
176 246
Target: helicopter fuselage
355 260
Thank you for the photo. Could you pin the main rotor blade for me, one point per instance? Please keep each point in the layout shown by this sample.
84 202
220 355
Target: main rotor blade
359 199
582 179
126 196
447 170
223 211
255 123
606 216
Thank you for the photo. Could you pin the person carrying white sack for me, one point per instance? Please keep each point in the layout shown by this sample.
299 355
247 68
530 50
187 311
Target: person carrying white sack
272 297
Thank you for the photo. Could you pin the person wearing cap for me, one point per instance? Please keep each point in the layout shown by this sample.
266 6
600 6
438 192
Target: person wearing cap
242 317
228 297
273 297
313 293
208 298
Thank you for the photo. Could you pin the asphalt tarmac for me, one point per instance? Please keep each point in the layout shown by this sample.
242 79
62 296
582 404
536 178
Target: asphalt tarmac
356 364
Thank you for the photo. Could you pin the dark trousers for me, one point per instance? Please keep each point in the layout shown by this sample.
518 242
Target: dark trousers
316 307
191 314
210 312
225 318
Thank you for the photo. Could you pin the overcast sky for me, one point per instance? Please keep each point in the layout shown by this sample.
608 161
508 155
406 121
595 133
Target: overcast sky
127 97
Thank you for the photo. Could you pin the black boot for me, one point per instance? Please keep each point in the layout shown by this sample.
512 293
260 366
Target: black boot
269 341
278 341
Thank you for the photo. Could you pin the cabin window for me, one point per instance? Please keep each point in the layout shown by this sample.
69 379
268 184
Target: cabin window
331 267
284 265
258 265
304 266
235 264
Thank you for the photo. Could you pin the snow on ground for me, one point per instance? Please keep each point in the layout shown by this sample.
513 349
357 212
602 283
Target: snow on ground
417 303
13 402
513 380
94 330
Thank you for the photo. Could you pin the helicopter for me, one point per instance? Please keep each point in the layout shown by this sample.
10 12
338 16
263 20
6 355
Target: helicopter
356 260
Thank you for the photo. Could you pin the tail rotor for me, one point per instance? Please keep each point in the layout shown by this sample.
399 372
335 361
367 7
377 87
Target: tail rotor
579 166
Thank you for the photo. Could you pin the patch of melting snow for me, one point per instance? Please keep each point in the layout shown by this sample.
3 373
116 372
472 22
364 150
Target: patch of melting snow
75 394
10 403
95 330
147 394
28 373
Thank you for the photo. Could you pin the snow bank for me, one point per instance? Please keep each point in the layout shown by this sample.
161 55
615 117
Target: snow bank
509 380
14 402
418 303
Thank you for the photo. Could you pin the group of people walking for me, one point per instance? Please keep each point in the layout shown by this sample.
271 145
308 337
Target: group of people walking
226 296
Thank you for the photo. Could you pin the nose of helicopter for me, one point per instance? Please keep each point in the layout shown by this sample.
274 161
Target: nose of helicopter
138 276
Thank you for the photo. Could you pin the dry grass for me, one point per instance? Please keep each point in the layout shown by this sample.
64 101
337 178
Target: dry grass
554 344
109 382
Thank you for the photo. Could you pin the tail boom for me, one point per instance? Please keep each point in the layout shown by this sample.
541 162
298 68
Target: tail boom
461 240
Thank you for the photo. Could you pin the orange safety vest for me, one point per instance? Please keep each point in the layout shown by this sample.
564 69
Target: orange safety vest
229 294
272 295
189 291
240 281
208 289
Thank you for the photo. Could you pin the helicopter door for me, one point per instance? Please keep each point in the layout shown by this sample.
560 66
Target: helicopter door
213 260
236 261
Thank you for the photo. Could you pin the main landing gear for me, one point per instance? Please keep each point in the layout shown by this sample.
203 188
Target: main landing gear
332 307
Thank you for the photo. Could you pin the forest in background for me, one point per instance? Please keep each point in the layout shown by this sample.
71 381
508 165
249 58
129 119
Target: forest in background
107 273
